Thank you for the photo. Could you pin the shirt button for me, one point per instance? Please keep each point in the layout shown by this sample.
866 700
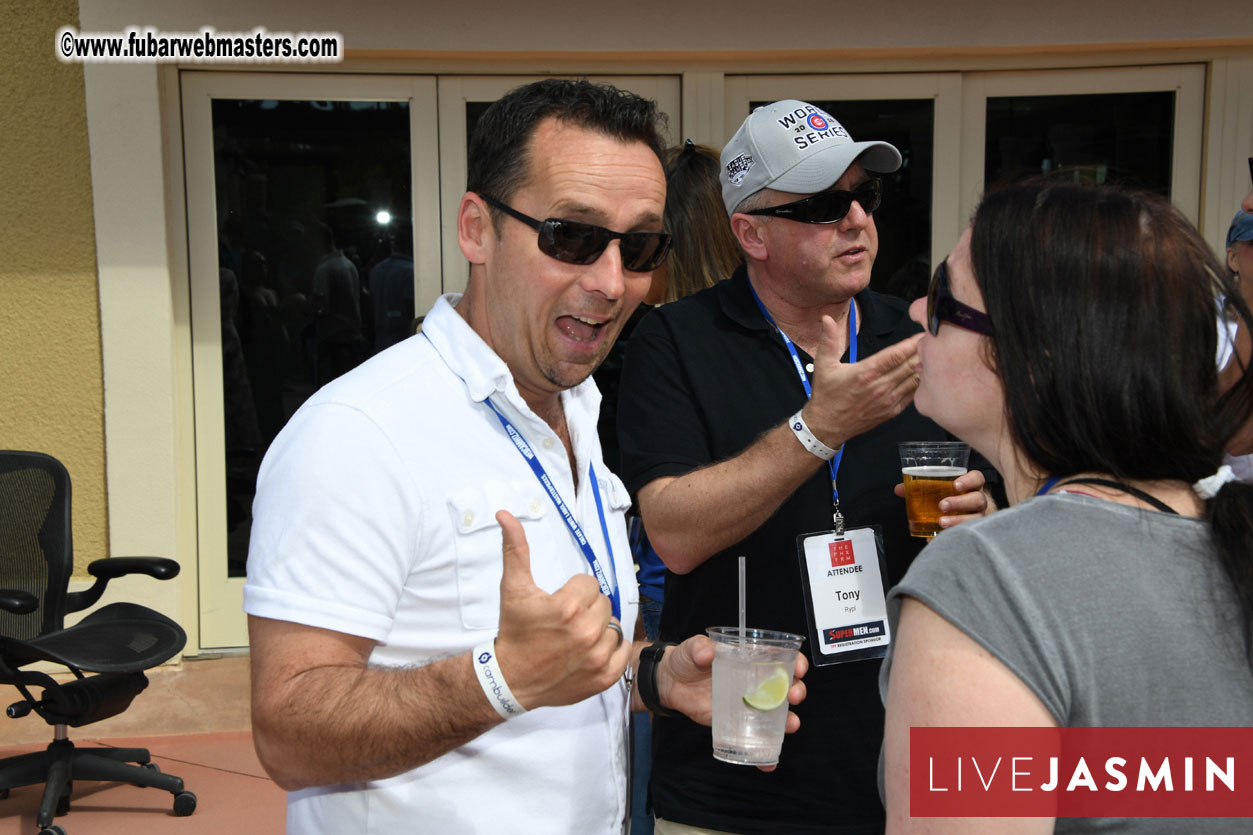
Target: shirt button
468 519
809 367
547 443
534 506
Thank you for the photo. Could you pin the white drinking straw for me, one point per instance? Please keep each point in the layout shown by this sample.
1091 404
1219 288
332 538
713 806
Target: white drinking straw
743 605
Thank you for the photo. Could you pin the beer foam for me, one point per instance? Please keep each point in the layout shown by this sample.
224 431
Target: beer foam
934 471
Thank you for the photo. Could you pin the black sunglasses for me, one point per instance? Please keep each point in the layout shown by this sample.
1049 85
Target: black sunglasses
942 307
575 242
828 206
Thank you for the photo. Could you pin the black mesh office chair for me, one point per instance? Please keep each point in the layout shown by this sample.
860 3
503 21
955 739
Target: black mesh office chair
117 642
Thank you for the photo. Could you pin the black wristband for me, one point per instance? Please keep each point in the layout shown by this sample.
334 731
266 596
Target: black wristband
646 678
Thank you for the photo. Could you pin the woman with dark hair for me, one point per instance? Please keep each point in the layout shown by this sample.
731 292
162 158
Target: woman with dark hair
1071 340
703 253
704 250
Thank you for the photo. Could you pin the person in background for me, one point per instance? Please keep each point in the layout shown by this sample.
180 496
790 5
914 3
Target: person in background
337 296
1236 343
702 252
1240 251
1071 341
391 290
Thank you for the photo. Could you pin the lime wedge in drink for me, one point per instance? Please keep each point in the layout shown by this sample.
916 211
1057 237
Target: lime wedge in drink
770 693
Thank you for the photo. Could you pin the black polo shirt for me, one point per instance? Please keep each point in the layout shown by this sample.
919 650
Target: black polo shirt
704 377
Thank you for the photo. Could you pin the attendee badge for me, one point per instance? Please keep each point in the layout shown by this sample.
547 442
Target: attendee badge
845 595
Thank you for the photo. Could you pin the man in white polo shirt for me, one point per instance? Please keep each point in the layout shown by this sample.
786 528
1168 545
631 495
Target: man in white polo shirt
439 576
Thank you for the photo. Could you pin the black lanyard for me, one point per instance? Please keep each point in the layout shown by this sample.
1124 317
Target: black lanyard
1116 485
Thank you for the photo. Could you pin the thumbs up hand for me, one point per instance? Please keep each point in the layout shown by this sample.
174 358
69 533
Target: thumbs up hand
553 649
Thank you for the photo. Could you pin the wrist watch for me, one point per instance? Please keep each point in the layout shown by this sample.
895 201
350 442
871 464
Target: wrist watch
646 677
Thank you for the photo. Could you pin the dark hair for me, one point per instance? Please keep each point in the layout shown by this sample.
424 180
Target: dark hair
500 147
704 249
1106 303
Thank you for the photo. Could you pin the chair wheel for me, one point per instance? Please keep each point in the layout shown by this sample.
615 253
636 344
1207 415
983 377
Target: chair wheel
52 830
184 804
4 794
63 805
153 767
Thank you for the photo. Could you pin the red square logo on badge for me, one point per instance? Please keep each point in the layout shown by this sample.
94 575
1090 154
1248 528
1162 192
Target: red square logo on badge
841 553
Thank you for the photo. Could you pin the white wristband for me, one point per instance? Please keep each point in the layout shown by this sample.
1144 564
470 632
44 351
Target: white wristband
493 681
808 439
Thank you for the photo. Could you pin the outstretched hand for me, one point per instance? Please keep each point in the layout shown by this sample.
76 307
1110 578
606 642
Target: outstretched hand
852 398
553 649
685 680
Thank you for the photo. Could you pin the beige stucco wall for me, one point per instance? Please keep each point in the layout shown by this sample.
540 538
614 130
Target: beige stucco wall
609 26
51 394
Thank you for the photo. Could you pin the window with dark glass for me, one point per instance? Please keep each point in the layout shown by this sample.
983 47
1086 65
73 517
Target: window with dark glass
314 237
1124 138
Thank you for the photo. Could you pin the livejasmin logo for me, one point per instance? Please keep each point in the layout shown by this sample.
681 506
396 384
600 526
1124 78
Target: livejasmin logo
1081 772
1020 774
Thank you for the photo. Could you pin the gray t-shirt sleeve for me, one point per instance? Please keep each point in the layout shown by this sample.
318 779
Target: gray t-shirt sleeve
995 598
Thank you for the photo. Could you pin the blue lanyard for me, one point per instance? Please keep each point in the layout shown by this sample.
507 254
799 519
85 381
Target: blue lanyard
834 463
610 590
1048 485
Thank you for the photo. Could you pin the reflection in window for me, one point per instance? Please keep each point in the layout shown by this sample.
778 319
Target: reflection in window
309 267
1124 138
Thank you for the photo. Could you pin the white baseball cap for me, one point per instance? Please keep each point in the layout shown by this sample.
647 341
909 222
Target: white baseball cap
793 146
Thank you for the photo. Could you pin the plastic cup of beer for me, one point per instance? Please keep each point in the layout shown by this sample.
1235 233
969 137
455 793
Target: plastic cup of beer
752 675
929 469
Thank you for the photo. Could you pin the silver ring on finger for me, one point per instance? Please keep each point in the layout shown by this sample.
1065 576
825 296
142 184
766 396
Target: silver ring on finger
616 628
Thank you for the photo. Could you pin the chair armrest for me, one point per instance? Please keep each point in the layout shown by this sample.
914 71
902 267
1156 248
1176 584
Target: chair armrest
113 567
110 568
18 602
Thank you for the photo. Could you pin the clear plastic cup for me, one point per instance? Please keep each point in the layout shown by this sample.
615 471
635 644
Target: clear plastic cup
751 677
929 469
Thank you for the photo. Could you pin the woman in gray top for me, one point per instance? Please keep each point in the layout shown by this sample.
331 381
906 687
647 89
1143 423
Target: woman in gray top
1071 341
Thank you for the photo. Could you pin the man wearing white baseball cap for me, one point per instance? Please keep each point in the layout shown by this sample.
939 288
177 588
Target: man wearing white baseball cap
791 146
755 417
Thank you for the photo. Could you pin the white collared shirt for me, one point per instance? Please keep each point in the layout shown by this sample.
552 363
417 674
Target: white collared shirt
374 516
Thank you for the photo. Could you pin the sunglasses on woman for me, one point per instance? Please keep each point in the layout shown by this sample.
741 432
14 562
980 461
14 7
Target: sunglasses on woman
828 206
942 307
575 242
